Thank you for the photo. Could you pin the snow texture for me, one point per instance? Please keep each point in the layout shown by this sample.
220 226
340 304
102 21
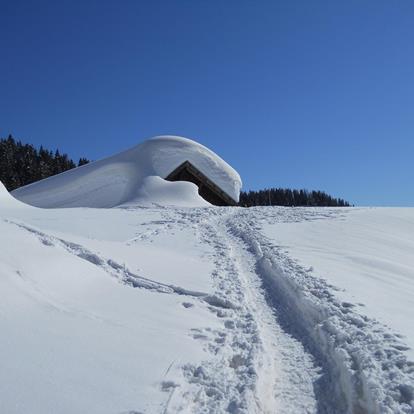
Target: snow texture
133 176
205 310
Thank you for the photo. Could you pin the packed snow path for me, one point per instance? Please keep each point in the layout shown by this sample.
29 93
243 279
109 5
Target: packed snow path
171 310
303 349
257 367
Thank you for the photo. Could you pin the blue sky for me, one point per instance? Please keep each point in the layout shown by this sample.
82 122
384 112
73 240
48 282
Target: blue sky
301 94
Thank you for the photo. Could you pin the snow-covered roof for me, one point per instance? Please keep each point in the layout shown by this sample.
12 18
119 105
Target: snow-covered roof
123 178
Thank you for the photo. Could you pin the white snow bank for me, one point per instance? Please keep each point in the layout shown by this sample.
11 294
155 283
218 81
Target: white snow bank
123 178
99 309
155 190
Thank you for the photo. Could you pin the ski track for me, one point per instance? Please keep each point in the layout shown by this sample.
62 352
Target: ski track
363 367
255 367
287 344
292 346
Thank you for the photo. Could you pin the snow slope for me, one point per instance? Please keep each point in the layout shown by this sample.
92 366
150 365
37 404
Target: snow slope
131 176
198 310
85 315
366 365
367 253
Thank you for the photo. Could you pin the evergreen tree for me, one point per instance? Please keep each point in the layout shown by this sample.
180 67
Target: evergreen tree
22 164
83 161
289 198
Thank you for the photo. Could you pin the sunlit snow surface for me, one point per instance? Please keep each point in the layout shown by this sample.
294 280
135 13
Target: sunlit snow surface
367 253
205 310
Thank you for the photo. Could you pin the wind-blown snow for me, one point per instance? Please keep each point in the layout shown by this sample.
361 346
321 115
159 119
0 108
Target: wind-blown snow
127 177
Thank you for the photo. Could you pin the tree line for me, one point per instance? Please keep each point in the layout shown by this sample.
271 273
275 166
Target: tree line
288 198
22 164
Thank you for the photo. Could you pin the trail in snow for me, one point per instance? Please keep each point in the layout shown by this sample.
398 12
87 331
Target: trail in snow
275 339
363 367
256 367
291 344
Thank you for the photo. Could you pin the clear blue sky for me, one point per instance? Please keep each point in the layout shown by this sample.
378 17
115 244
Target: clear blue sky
303 94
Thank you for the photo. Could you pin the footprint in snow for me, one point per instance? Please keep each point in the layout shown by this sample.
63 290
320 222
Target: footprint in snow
187 305
168 385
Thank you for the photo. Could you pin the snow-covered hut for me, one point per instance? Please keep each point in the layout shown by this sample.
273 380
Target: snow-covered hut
207 188
165 170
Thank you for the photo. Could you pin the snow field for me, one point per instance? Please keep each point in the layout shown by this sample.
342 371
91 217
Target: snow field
76 337
146 313
364 363
367 253
199 310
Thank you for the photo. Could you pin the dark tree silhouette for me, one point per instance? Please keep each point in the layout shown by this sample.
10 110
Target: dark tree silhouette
287 197
22 164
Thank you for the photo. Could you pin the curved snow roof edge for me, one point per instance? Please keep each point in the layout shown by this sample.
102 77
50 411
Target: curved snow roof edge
115 180
207 161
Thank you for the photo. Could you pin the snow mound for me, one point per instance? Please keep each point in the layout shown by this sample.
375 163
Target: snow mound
125 178
155 190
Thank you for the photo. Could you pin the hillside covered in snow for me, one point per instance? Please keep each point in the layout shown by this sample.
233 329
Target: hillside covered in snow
147 299
159 310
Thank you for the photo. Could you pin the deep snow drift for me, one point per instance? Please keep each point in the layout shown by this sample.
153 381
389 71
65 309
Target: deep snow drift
205 310
135 176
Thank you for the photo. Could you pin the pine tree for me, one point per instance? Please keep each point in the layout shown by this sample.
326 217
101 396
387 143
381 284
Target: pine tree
22 164
82 161
288 197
